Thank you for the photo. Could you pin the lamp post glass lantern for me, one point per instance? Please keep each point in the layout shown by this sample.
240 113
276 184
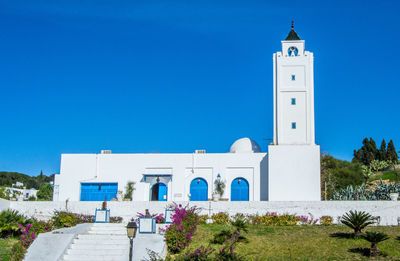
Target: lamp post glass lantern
131 229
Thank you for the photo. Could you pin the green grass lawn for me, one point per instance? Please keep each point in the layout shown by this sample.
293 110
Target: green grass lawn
5 248
303 243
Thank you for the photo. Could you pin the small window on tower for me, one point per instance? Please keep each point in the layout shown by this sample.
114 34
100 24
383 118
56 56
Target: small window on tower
293 77
293 125
293 101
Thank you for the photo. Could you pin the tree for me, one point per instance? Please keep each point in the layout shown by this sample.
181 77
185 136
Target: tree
367 153
374 238
40 178
391 153
338 174
45 193
382 151
357 220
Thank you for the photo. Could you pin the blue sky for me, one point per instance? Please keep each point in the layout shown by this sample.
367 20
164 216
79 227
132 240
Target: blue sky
175 76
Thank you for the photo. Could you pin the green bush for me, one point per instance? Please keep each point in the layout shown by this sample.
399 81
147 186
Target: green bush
374 238
357 220
221 237
220 218
326 220
68 219
9 220
273 219
203 219
64 219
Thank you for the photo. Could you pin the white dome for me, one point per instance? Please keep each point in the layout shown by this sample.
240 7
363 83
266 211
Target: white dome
245 145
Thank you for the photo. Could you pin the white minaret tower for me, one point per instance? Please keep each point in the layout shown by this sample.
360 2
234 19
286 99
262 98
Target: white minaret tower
294 159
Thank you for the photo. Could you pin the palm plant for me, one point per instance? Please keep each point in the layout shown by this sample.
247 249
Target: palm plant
357 220
374 238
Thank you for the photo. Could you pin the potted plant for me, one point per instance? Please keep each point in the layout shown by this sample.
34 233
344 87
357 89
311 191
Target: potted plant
219 188
129 188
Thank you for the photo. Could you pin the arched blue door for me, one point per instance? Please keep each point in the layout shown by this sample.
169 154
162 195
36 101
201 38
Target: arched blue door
240 190
158 192
198 190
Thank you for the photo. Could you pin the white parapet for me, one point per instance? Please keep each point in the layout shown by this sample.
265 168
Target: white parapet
294 173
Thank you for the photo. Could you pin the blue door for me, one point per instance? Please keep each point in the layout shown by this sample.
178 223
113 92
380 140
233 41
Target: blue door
240 190
162 192
198 190
98 191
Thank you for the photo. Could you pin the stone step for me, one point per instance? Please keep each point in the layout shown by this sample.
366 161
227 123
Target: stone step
97 252
96 245
115 233
102 242
108 224
109 227
94 258
103 237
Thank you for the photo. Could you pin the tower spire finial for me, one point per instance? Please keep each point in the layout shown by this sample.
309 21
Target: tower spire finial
292 24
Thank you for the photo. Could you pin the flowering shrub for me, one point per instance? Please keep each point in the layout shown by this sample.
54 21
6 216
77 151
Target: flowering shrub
41 226
27 235
159 217
304 220
273 219
220 218
199 254
326 220
184 224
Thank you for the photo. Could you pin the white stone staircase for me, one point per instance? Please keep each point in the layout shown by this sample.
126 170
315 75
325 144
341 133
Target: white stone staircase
102 242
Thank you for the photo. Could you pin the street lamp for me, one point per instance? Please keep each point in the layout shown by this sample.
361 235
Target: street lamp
131 229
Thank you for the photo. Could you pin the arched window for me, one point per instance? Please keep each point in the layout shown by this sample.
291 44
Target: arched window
292 51
198 190
240 190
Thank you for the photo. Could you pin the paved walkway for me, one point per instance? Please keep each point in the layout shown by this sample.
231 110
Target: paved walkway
86 242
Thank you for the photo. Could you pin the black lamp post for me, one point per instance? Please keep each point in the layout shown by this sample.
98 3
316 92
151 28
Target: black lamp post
131 229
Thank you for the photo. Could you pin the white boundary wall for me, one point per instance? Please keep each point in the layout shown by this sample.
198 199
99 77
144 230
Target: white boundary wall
389 211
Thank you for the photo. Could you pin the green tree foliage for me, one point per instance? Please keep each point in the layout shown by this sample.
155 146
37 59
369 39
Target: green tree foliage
382 151
357 220
129 188
338 174
374 237
391 153
9 178
45 193
367 153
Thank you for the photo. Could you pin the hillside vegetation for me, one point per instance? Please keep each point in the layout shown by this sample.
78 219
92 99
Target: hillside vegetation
9 178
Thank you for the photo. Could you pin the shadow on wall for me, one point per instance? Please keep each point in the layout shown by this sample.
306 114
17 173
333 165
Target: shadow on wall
264 178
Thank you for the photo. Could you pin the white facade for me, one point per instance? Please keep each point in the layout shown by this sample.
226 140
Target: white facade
290 172
176 171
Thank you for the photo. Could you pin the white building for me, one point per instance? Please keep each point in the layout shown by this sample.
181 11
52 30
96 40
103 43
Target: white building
289 172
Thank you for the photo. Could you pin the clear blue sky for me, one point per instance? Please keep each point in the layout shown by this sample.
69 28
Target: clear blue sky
175 76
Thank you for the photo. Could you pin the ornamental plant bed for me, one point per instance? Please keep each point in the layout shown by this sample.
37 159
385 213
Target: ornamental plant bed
299 243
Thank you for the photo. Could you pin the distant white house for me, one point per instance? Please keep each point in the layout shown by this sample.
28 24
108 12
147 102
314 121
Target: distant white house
289 172
21 193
